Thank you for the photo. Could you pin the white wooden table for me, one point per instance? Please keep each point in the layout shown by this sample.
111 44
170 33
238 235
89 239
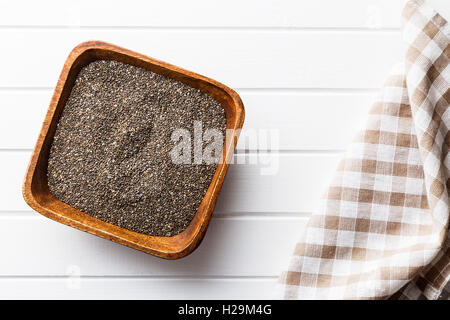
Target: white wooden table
307 69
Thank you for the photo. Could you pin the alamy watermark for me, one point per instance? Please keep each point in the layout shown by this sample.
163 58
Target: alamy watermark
207 146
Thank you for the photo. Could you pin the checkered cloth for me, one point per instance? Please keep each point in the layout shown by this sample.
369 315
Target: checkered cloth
382 227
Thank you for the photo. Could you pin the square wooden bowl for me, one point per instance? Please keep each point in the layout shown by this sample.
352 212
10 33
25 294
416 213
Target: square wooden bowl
35 188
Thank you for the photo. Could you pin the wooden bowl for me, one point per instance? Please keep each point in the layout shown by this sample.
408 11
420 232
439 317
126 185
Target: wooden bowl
35 188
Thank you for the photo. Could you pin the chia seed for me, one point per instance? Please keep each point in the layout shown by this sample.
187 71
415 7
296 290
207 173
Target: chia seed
110 156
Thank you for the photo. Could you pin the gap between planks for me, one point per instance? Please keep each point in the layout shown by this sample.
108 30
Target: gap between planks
246 90
133 277
32 215
237 152
332 30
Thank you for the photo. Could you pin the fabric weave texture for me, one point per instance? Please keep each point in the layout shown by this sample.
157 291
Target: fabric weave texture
381 230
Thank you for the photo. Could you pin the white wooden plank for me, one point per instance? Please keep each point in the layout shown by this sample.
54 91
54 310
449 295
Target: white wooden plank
240 59
21 115
266 182
204 13
136 288
297 120
440 6
303 120
233 246
276 183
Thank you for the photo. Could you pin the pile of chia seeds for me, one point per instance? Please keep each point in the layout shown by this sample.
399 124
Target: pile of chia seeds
111 151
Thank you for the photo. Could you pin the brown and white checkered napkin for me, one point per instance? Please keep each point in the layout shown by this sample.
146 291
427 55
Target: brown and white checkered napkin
382 227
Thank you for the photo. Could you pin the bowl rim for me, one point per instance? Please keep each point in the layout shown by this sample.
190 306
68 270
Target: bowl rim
173 247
